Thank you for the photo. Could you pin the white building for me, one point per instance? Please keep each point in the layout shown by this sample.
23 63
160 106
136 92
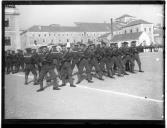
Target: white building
82 32
12 33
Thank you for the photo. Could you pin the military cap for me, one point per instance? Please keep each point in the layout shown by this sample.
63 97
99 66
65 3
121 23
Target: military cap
133 42
82 44
125 42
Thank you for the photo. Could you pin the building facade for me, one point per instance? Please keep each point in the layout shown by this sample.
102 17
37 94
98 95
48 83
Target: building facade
82 32
12 33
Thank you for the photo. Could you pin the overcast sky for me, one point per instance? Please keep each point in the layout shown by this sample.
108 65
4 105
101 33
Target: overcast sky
68 14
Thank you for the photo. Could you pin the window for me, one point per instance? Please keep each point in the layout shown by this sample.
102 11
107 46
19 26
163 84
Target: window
137 30
39 35
125 31
131 30
145 29
7 41
49 34
6 22
45 34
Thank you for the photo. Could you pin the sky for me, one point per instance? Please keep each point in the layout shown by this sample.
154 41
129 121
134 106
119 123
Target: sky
66 15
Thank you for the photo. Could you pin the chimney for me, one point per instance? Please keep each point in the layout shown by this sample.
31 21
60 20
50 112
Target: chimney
111 27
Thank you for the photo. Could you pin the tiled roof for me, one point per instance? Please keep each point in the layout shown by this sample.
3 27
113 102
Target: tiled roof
136 22
126 37
93 27
80 27
126 15
38 28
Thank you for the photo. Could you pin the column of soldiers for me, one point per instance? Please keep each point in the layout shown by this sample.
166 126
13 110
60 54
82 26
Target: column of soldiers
60 62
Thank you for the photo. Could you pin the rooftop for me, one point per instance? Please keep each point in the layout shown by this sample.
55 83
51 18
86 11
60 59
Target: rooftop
80 27
126 37
136 22
126 15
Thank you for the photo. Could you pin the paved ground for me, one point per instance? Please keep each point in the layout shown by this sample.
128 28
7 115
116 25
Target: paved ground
136 96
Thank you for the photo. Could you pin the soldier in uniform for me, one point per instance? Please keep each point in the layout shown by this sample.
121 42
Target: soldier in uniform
100 52
127 56
66 69
93 60
115 59
84 63
29 65
135 54
46 59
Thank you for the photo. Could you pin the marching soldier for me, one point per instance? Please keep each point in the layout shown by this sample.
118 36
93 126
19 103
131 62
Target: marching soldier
115 59
46 60
127 56
29 65
84 62
135 54
66 69
100 52
93 60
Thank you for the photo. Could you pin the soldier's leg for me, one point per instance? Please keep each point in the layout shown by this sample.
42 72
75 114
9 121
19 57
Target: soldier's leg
42 74
102 65
88 71
22 66
130 59
137 58
109 66
27 71
34 74
73 64
69 72
118 65
54 78
80 71
98 69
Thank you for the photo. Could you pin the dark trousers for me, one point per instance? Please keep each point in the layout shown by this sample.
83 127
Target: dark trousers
66 73
84 63
30 68
137 58
94 63
74 62
47 69
103 62
129 59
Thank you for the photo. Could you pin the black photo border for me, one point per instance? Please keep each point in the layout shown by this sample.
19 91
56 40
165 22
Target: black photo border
63 122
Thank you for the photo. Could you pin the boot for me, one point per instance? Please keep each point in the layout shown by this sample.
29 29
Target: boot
71 82
126 73
26 80
55 85
90 81
35 80
41 87
140 69
78 82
